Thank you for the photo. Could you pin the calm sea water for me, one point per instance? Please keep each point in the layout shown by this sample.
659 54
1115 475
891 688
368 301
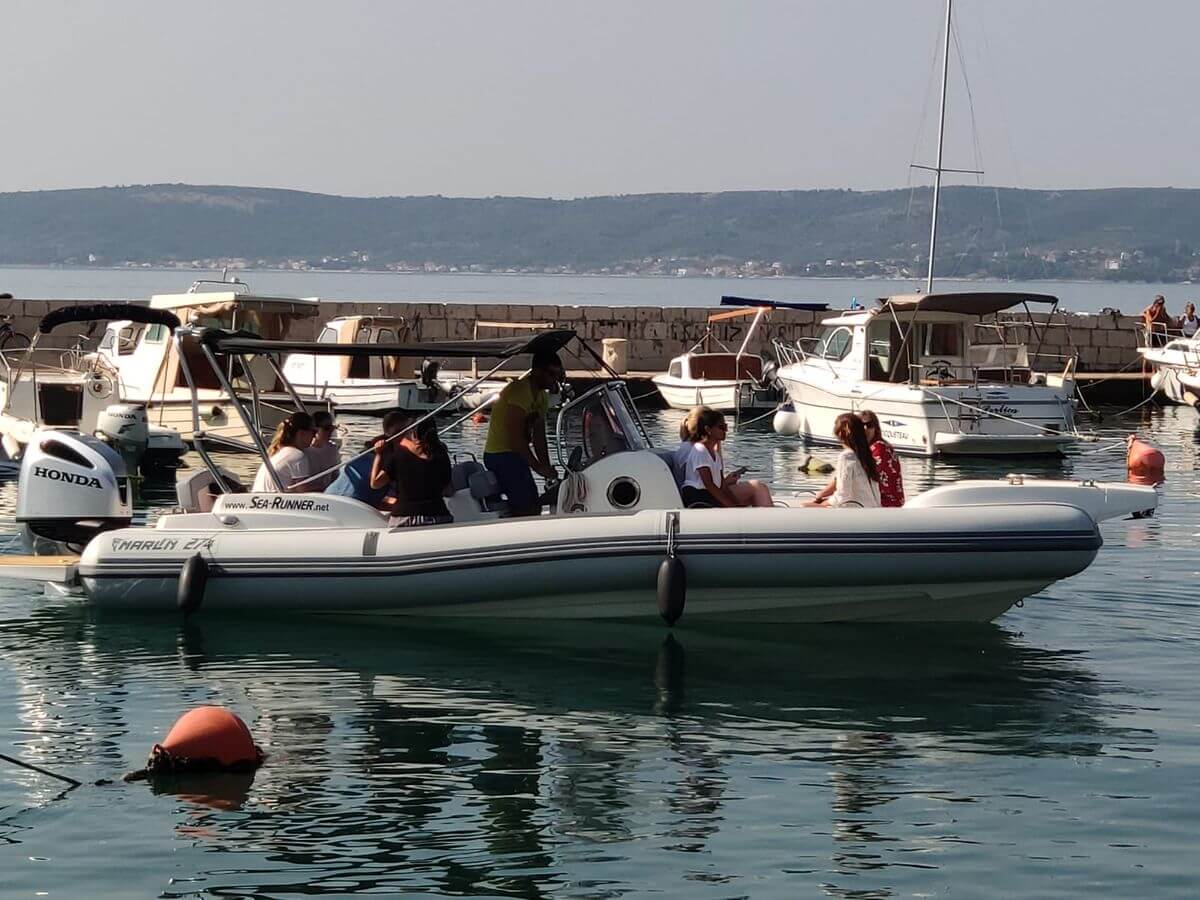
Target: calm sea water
566 290
1051 754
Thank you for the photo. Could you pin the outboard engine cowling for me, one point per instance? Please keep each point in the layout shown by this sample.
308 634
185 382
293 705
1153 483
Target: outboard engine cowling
125 428
72 487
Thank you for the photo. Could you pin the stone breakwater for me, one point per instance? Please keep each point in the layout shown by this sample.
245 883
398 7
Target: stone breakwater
1104 342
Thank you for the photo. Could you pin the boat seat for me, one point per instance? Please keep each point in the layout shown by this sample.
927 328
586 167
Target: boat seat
460 474
474 493
197 491
485 488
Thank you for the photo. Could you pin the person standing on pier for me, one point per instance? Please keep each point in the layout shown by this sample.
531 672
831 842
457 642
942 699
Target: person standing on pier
516 440
1157 321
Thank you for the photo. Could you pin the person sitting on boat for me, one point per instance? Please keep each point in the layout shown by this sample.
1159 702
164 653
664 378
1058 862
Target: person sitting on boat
687 428
891 481
705 482
286 452
855 479
1188 323
1157 322
355 478
418 469
322 453
516 440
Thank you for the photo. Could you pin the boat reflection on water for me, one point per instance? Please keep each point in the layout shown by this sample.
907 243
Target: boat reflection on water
421 758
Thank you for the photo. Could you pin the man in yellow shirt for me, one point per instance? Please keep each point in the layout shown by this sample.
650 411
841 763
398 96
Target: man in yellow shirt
516 440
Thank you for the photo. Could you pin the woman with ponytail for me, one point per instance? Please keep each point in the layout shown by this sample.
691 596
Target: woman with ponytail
855 476
292 437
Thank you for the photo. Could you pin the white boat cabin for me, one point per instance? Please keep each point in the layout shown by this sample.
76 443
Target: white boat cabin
308 369
145 355
911 340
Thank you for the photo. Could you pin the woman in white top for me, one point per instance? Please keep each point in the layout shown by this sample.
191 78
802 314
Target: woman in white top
855 479
292 437
322 453
704 480
1188 323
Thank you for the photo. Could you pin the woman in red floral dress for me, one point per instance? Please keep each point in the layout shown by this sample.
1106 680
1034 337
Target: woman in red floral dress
891 482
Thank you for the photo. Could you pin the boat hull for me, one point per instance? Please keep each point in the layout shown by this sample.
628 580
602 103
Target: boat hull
757 566
723 396
915 422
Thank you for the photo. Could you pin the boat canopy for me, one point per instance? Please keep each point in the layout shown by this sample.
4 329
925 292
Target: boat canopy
246 343
107 312
217 303
729 300
972 303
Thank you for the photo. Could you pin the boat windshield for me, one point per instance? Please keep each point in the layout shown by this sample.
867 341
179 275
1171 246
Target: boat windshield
834 342
600 423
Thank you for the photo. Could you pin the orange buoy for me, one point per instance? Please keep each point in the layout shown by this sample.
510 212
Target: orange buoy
207 738
479 418
1144 462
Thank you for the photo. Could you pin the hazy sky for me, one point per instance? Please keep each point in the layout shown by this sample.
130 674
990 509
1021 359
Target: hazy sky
564 98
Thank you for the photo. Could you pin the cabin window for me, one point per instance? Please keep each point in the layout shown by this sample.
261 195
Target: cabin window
106 342
364 335
385 336
127 339
836 344
156 334
327 336
943 339
676 369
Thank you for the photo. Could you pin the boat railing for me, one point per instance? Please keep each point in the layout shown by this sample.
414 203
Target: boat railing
792 352
1158 334
948 372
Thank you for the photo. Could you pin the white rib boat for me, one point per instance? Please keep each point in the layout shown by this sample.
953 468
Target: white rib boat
616 543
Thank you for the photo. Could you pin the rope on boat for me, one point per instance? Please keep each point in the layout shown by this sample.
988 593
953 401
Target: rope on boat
759 418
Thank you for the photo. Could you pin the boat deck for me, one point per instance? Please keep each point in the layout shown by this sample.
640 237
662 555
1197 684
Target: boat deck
60 569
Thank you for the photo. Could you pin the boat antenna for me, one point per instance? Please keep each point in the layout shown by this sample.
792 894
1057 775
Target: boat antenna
938 169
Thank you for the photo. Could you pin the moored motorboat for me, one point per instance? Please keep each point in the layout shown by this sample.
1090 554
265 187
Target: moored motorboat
616 529
52 387
364 384
915 362
1174 364
150 372
727 380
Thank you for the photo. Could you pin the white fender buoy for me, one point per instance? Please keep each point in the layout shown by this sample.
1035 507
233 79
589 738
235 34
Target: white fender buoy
193 579
787 420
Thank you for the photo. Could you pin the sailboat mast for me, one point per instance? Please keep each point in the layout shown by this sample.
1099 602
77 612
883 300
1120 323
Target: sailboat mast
937 172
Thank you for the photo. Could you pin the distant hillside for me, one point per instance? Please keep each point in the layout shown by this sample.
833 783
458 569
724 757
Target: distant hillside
1120 233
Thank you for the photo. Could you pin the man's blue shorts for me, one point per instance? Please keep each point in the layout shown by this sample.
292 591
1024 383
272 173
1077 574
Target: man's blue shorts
516 480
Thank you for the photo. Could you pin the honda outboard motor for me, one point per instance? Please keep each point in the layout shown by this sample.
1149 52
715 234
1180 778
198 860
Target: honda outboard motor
125 428
72 487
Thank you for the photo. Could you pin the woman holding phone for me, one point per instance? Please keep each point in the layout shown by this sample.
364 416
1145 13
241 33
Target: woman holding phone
705 481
